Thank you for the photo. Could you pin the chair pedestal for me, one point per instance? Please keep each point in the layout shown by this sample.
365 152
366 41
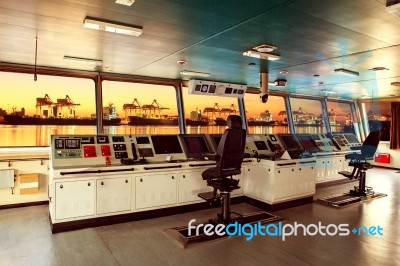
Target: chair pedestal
225 216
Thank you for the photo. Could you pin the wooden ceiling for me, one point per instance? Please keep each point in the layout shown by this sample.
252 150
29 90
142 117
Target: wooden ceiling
313 38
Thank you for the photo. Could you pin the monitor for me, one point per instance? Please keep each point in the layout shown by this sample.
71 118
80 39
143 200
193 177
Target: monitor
290 142
260 144
308 142
166 144
195 146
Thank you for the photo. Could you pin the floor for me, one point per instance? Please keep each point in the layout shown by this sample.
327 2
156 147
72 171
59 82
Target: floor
25 237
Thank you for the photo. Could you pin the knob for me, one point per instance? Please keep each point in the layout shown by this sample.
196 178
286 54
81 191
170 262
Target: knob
312 167
248 169
126 181
88 184
184 176
279 171
292 170
300 169
102 183
269 170
141 180
61 186
173 177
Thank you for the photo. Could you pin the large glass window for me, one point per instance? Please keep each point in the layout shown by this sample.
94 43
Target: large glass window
307 116
379 115
142 108
207 114
265 118
340 117
30 112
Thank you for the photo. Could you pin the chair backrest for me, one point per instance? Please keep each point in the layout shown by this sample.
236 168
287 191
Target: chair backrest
370 144
231 147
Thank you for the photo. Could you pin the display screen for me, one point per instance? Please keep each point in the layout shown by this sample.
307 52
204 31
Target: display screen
289 141
72 144
212 89
142 140
102 139
261 145
195 146
228 90
166 144
59 143
308 142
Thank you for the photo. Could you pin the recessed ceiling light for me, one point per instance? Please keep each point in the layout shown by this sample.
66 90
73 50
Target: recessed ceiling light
378 68
125 2
82 60
98 24
194 73
346 71
265 48
283 72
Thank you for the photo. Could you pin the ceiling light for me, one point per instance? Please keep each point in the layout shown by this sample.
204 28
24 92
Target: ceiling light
396 83
265 48
283 72
378 68
346 71
125 2
96 24
328 91
194 73
81 60
266 56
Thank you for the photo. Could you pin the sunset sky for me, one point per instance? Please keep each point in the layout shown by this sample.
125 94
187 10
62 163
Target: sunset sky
20 90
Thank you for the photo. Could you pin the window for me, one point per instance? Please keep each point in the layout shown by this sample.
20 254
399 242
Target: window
142 108
307 116
340 117
265 118
30 112
207 114
379 115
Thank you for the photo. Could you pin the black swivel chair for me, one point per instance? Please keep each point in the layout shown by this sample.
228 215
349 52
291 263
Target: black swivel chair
229 158
360 164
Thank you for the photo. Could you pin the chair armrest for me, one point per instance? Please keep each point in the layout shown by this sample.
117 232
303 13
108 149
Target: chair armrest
211 156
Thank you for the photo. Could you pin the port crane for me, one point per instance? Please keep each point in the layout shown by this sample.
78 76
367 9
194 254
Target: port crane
69 103
45 101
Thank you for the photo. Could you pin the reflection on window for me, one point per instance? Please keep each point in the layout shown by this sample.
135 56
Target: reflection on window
379 115
265 118
340 117
307 116
142 108
207 114
30 112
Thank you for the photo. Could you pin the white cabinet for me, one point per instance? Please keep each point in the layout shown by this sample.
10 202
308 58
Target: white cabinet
305 179
320 169
156 190
258 183
284 182
114 195
191 184
74 199
327 169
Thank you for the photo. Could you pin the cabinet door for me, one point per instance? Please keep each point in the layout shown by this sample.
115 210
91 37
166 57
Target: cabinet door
320 170
114 195
285 182
156 190
258 183
305 179
190 184
74 199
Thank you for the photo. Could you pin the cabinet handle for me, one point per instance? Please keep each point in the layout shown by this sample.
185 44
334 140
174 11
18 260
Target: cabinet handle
61 186
292 170
102 183
141 180
248 169
312 167
269 170
173 177
323 162
300 169
126 181
183 176
88 184
279 171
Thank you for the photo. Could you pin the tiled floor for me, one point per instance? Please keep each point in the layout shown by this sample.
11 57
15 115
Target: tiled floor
25 237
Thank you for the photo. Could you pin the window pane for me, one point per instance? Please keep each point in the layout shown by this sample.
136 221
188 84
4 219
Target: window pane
379 115
265 118
30 112
143 108
207 114
340 117
307 116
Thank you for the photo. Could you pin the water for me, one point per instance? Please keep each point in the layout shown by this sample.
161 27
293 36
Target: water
39 135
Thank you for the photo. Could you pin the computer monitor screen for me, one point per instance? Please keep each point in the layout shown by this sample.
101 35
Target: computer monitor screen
308 142
166 144
261 146
290 142
195 145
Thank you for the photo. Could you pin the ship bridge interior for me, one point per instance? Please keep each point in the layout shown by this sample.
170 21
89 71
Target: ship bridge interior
106 129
